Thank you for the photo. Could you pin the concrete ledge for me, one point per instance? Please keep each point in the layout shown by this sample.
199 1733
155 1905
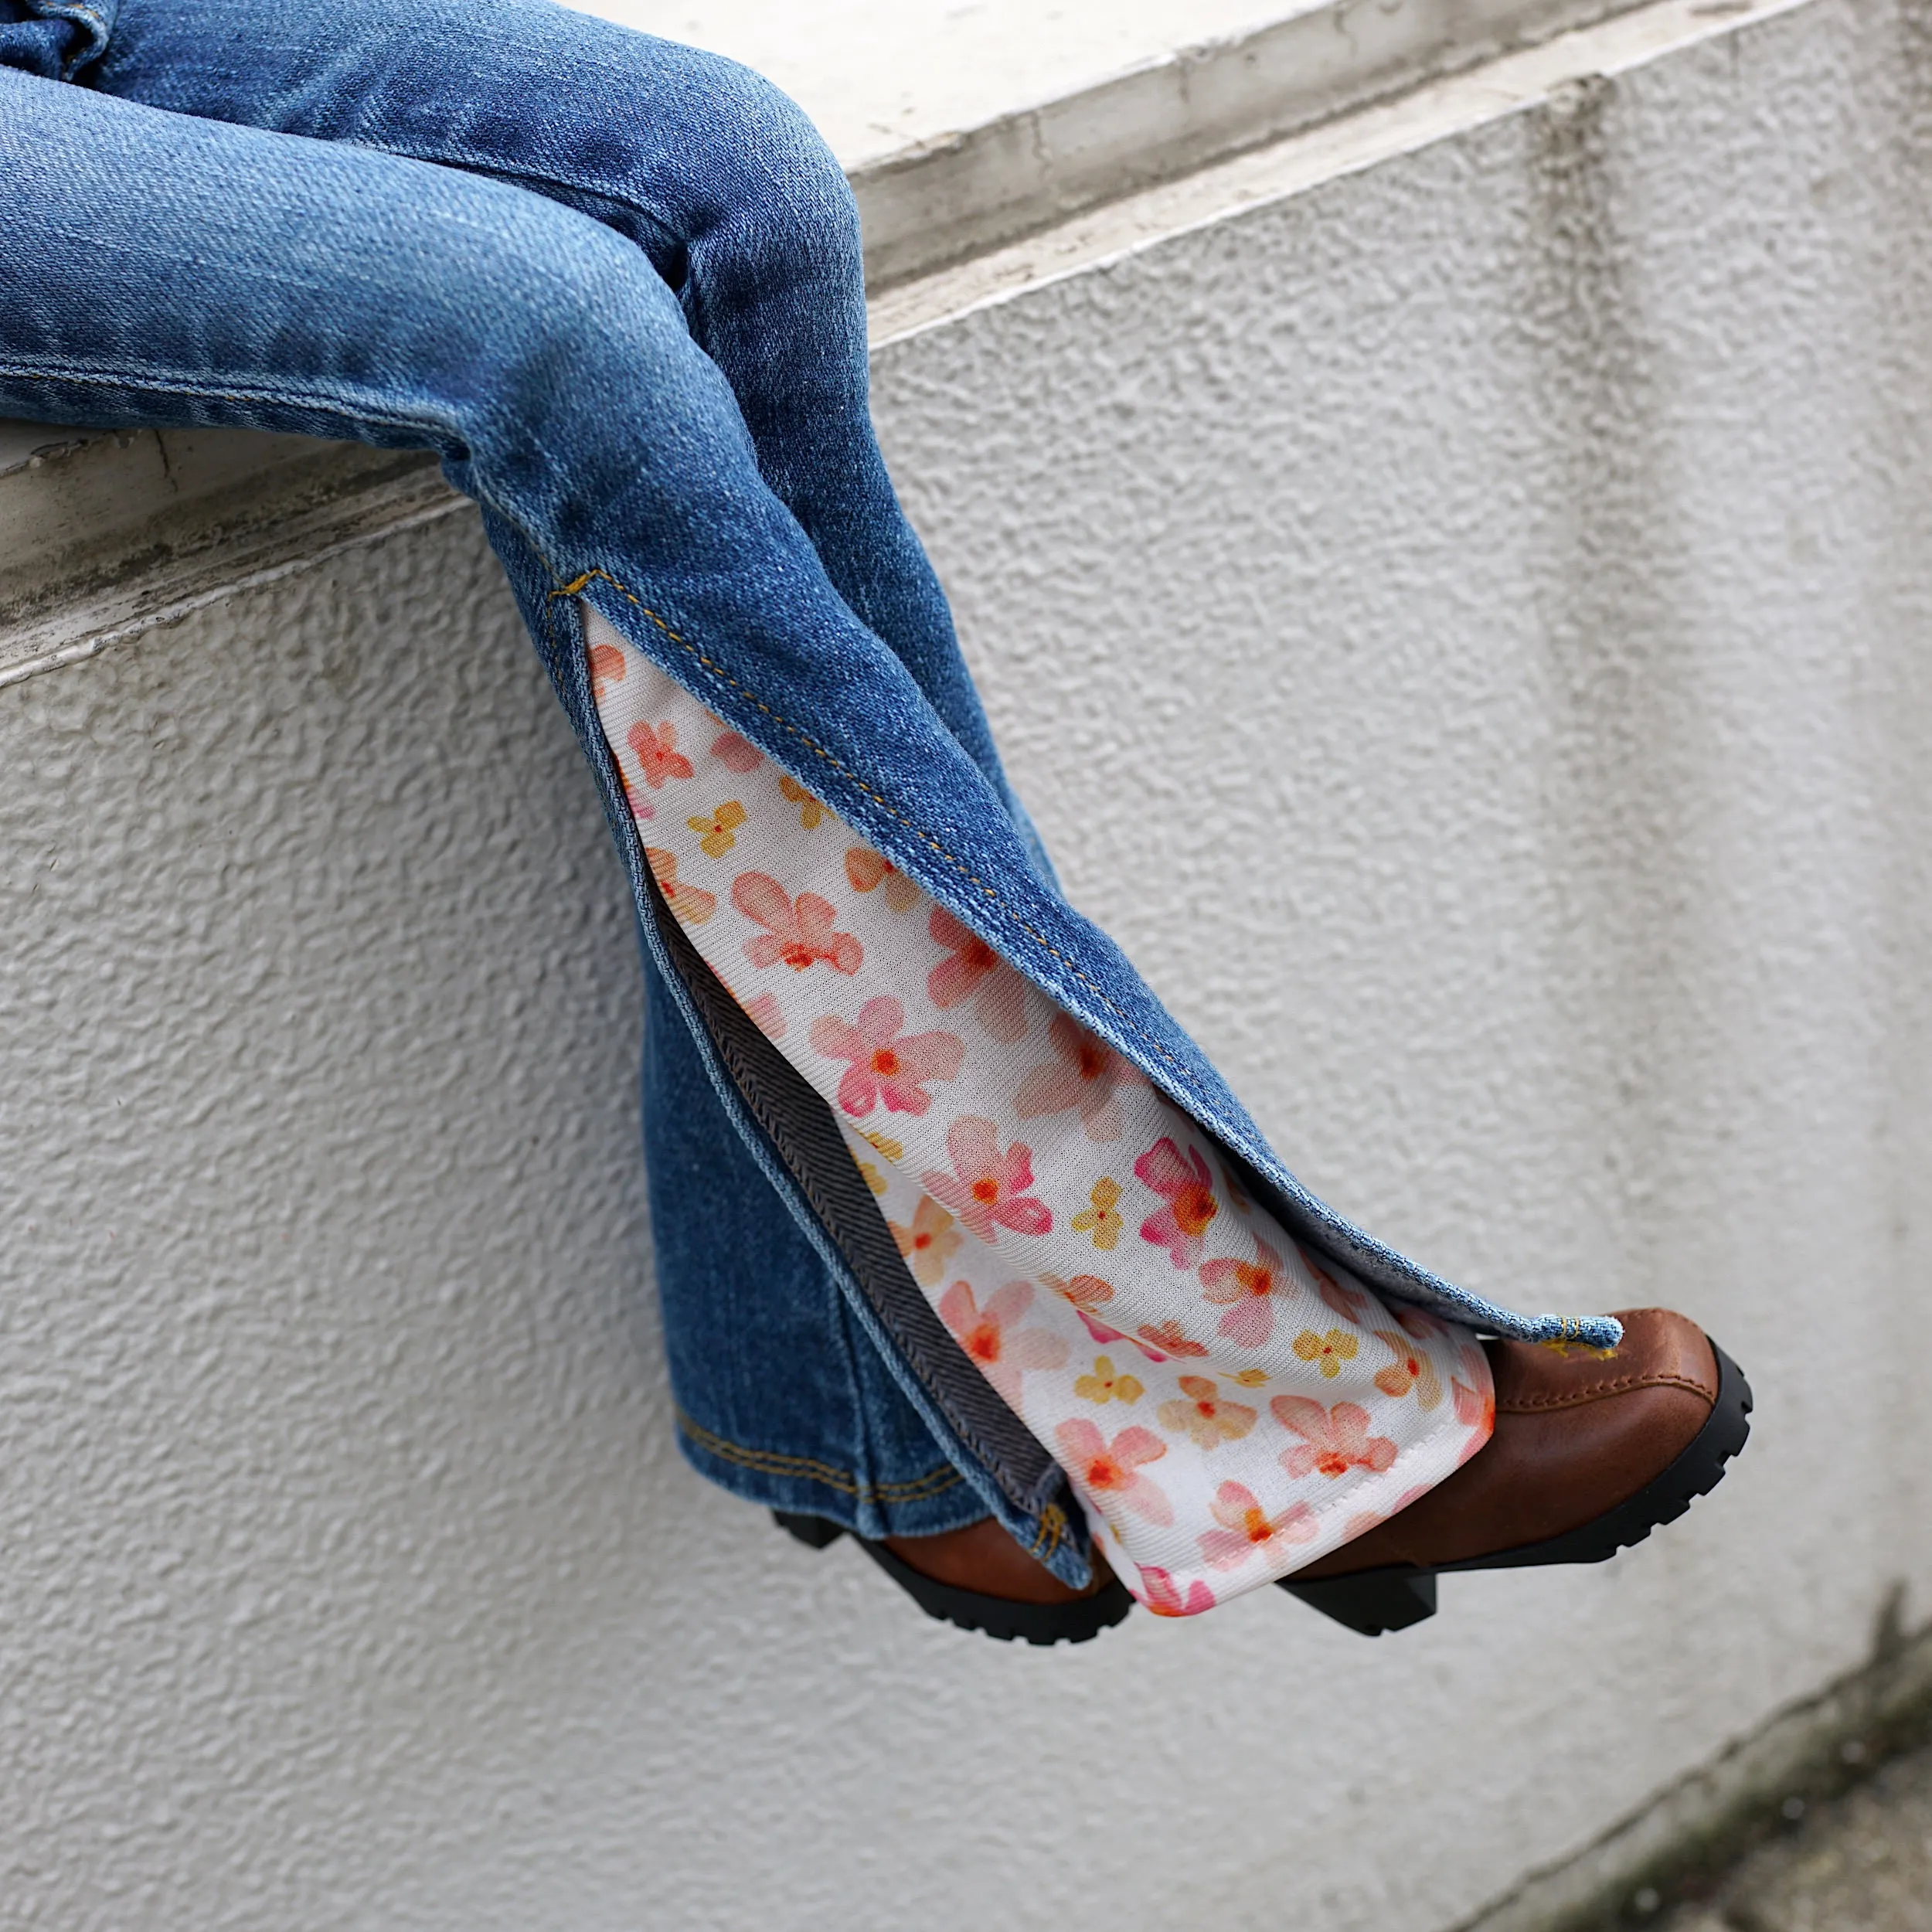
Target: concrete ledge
942 201
105 535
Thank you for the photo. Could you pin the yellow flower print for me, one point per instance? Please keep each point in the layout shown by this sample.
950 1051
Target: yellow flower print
721 829
871 1177
1100 1223
810 810
1205 1414
1249 1378
1104 1386
886 1145
1327 1351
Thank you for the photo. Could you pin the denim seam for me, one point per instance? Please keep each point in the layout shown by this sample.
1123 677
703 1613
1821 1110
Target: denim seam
771 1462
879 798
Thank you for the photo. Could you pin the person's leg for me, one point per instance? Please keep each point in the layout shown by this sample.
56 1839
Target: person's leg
719 178
700 570
158 269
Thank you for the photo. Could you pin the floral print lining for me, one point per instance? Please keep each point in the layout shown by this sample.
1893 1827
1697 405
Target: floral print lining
1228 1405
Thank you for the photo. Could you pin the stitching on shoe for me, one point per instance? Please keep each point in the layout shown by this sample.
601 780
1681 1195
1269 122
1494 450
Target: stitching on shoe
1596 1391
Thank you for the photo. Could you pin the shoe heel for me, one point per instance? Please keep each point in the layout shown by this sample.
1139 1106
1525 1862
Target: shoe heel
815 1532
1378 1601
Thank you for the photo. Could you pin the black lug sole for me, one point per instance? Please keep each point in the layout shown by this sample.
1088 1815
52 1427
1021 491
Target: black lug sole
1378 1601
996 1616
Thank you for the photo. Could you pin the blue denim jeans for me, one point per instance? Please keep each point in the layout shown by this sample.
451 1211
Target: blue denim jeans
615 284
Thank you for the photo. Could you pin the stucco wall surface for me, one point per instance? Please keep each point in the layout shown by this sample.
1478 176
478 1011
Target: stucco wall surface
1465 628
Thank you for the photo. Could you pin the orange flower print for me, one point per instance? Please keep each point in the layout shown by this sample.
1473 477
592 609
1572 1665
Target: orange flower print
886 1065
1000 1349
796 935
1246 1290
927 1243
1246 1529
1103 1385
1159 1340
1103 1468
606 668
975 968
658 754
1327 1351
1411 1369
1187 1191
986 1189
736 753
1100 1223
1163 1595
810 809
1087 1075
721 829
690 906
1477 1413
867 869
1087 1292
1351 1303
1334 1440
1203 1413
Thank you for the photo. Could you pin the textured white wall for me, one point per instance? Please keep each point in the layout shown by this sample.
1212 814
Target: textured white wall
1466 629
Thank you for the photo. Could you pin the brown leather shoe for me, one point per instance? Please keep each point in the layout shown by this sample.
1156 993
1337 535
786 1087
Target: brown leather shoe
980 1579
1593 1448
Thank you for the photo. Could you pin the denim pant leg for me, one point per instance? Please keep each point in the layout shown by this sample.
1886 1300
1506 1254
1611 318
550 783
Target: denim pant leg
601 120
158 268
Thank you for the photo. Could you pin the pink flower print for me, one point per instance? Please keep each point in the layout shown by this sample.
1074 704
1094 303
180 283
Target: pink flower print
1159 1340
735 753
927 1243
1099 1222
886 1065
1246 1290
974 968
1411 1369
1087 1075
720 831
1000 1349
690 906
794 936
1188 1190
1335 1441
658 754
1351 1303
606 668
765 1015
1247 1528
810 810
1162 1594
1203 1413
987 1188
867 869
1086 1292
1103 1468
1328 1352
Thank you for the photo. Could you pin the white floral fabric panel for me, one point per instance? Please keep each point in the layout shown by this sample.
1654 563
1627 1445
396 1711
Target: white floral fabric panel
1228 1407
